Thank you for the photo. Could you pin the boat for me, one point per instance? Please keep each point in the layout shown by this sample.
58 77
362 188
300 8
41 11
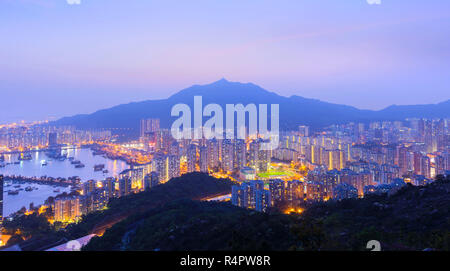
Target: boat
16 163
2 165
24 157
105 171
56 190
29 188
99 167
13 192
2 158
71 158
44 163
80 166
17 186
76 162
96 152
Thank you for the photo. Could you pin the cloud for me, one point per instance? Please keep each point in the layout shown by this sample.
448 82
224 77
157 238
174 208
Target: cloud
73 2
374 2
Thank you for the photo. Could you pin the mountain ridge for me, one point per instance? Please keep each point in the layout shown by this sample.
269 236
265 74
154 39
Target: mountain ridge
294 110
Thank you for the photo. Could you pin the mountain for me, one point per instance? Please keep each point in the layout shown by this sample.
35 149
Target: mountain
294 110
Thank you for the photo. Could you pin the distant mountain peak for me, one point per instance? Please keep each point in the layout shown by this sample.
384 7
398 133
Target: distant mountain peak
294 110
223 80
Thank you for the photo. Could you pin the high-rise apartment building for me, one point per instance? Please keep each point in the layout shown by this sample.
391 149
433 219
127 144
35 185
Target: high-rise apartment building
67 209
149 126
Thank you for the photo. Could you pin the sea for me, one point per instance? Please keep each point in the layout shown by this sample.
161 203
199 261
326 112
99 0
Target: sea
54 168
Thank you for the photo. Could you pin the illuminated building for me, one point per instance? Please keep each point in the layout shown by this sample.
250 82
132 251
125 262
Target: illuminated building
262 200
67 209
52 139
96 200
149 126
124 186
277 191
258 159
251 195
153 179
191 157
173 166
160 166
247 173
110 186
174 149
345 191
314 191
204 159
89 187
294 192
213 153
227 155
1 199
303 130
135 175
240 154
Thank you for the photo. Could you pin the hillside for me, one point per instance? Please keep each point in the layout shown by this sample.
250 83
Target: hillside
40 234
294 110
415 218
190 225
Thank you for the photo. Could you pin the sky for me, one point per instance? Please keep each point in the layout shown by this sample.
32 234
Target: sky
59 59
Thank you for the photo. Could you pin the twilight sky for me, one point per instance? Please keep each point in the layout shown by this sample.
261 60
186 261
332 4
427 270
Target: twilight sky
58 59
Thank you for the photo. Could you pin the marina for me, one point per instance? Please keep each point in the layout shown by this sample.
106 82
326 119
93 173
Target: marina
34 180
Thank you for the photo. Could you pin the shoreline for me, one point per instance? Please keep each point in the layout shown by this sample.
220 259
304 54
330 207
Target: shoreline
63 182
48 149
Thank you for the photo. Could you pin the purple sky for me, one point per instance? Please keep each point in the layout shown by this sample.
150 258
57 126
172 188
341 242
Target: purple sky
58 59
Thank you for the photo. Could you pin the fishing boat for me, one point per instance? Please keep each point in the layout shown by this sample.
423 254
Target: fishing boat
80 165
28 188
99 167
13 192
24 157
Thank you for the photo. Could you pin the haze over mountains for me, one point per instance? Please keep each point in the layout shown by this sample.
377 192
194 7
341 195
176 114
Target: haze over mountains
294 110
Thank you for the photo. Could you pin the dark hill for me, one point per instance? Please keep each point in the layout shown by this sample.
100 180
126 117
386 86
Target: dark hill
414 218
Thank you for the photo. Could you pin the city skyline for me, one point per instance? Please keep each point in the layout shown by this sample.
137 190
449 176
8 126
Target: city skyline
84 59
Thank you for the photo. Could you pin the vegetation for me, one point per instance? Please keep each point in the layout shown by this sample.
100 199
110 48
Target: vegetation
34 232
171 217
192 225
414 218
195 186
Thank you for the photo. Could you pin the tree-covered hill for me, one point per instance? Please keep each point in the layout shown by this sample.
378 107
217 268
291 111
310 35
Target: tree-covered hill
414 218
194 186
193 225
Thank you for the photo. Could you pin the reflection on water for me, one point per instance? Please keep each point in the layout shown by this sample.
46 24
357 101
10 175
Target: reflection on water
54 168
13 203
64 169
